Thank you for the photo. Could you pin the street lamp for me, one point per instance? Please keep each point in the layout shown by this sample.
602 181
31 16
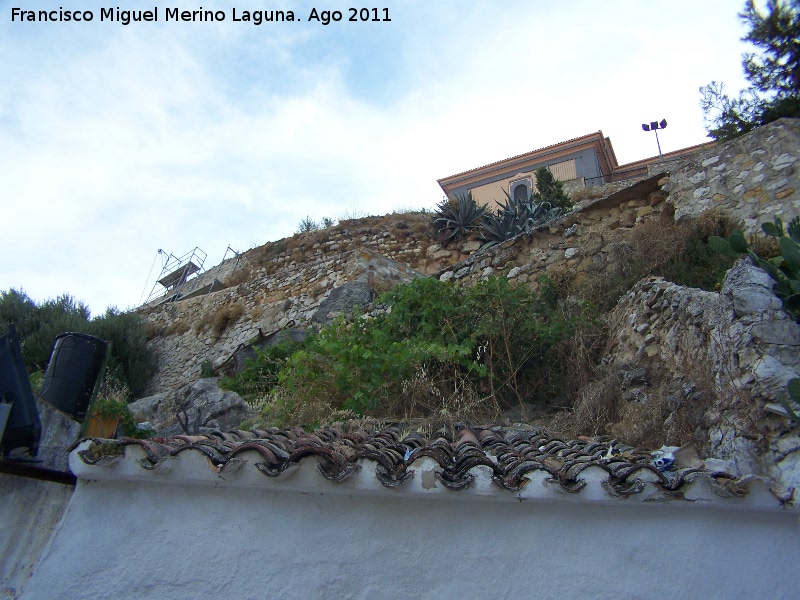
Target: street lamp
654 126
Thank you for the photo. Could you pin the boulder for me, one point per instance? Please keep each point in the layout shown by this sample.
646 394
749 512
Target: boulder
202 404
342 300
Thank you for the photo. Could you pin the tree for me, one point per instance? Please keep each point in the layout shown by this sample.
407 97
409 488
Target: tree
773 75
549 189
131 361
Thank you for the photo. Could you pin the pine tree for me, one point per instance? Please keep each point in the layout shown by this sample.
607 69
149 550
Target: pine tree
774 74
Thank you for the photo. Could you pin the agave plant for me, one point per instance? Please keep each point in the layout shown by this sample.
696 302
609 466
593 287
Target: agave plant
456 217
517 216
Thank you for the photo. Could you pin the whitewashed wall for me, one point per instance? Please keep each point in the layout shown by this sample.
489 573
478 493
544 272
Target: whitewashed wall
186 534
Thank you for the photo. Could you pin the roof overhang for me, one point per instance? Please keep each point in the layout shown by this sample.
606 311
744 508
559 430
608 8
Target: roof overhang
525 162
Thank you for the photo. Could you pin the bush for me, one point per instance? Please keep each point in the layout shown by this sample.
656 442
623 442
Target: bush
437 347
307 224
550 190
131 362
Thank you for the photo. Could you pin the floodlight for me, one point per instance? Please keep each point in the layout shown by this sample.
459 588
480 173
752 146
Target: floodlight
654 127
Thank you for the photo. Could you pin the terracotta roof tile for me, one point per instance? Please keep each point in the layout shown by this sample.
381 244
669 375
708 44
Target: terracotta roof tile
509 454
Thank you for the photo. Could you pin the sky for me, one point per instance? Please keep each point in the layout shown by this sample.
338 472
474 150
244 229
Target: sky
117 141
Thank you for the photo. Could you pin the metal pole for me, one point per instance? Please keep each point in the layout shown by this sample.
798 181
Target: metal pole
657 142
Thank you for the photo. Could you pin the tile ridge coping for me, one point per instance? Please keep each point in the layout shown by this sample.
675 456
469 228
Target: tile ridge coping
194 469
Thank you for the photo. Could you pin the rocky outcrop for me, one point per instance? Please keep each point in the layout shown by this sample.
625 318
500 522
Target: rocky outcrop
282 293
732 353
201 404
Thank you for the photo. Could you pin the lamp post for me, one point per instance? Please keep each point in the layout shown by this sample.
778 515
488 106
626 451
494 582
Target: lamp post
654 126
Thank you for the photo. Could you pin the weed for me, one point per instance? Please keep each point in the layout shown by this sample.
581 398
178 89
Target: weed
179 327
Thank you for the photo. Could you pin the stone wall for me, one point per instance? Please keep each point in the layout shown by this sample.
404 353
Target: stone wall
588 240
738 346
211 327
754 177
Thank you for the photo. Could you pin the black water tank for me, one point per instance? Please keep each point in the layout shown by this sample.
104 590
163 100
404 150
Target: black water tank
23 427
76 363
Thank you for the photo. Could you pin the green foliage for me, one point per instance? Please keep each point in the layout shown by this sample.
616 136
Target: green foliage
550 190
495 339
307 224
260 375
784 268
514 217
131 362
456 217
115 408
774 75
37 379
206 370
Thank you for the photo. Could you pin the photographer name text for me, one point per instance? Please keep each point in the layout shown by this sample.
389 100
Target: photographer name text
200 15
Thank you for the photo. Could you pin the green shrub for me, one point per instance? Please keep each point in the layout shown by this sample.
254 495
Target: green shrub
784 268
550 190
439 345
131 362
307 224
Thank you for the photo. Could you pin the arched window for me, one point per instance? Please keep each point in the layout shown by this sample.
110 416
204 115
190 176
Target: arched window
520 192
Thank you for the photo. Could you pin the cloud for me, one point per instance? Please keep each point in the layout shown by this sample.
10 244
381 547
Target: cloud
122 140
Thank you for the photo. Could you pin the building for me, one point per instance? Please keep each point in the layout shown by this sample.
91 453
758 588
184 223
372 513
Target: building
580 162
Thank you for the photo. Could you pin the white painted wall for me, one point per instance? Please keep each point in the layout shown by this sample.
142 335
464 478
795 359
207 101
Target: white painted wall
166 535
29 512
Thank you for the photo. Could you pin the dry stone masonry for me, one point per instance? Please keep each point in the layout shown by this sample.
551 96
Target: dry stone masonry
754 177
749 343
740 342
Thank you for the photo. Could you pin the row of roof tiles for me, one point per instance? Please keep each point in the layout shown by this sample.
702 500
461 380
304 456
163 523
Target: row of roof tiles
509 454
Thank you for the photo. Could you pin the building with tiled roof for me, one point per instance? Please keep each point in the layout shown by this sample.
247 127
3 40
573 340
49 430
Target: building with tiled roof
584 161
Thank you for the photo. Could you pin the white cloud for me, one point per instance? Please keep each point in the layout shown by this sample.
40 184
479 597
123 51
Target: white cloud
119 141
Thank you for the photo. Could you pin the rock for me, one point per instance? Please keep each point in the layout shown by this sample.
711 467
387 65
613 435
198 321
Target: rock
472 246
147 409
750 288
634 377
224 408
342 300
570 253
205 402
462 272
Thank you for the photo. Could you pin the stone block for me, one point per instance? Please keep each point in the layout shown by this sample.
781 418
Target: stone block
754 193
470 247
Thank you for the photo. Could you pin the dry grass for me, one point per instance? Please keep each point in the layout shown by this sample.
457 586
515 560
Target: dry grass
153 331
225 316
179 327
241 275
